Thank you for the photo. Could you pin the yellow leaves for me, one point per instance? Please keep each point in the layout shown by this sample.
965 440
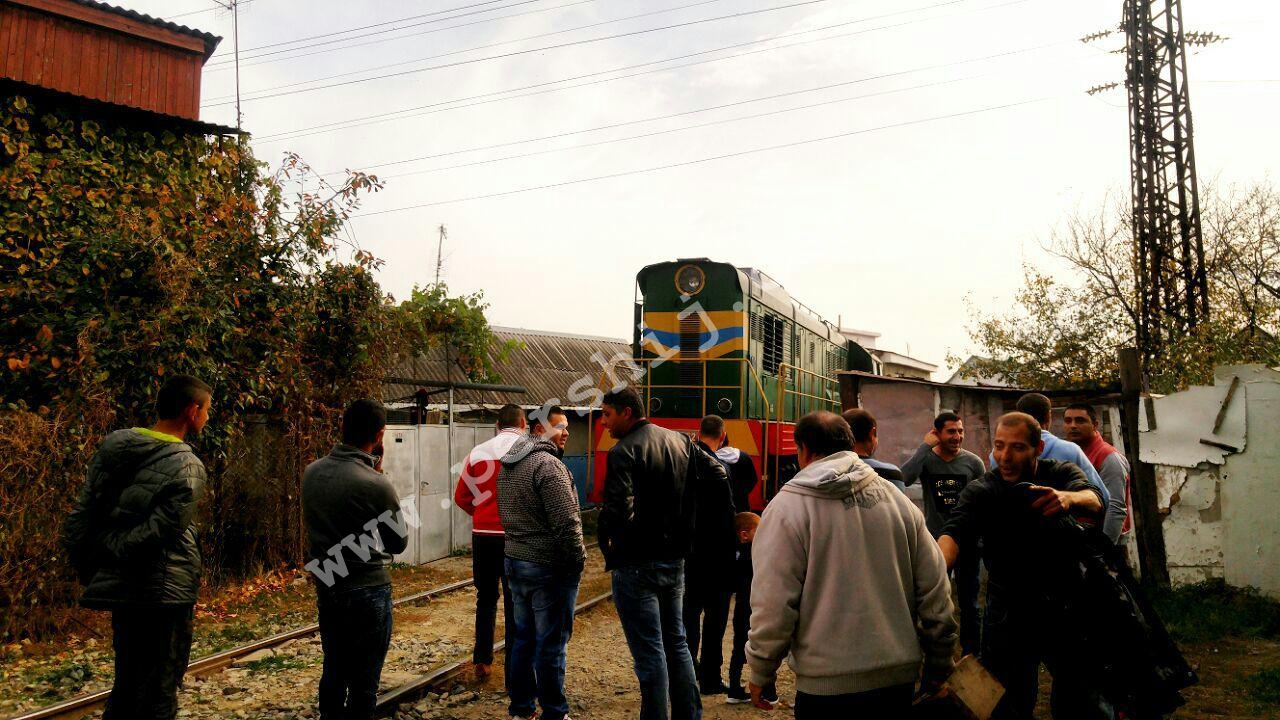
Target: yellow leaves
44 335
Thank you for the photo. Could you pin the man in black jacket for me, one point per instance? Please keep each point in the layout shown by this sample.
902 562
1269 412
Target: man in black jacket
355 526
132 539
708 580
1033 571
646 529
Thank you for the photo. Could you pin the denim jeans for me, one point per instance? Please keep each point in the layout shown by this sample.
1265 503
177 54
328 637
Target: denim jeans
152 647
355 632
488 560
542 601
648 599
1015 640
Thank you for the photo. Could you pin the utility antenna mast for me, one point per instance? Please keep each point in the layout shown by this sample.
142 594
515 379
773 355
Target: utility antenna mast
1173 295
233 6
440 253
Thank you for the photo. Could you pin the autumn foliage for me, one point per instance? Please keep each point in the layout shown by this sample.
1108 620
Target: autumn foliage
129 255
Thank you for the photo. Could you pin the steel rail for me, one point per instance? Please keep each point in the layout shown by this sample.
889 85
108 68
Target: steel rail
446 673
79 706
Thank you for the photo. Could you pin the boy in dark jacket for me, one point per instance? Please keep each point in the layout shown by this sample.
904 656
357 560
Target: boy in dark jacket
132 539
744 524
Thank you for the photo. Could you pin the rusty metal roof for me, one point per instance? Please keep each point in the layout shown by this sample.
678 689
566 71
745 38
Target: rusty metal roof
546 366
210 40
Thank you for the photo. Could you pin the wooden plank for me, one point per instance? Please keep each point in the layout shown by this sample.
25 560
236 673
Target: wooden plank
107 52
1148 522
197 80
86 65
189 107
30 60
157 81
7 20
164 85
107 19
66 56
1226 402
39 54
186 100
17 34
125 84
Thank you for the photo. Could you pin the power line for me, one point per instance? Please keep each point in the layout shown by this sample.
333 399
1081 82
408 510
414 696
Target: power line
437 107
685 128
386 22
514 53
711 108
215 67
504 42
740 153
170 18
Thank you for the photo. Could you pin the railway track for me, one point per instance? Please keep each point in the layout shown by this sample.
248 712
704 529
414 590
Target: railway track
447 674
78 707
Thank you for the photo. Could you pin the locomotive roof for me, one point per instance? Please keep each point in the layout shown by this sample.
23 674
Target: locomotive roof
770 293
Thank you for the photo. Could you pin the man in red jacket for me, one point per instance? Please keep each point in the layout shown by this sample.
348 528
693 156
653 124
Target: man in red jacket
477 496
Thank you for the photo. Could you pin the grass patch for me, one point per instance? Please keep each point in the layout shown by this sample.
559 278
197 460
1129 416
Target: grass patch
1264 687
276 663
1214 610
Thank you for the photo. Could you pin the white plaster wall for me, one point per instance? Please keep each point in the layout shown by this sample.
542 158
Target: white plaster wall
1251 488
1193 527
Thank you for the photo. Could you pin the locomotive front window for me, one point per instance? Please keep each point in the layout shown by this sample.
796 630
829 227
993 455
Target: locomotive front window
690 280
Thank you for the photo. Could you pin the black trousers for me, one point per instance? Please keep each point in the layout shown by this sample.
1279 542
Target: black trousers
1015 642
153 646
891 703
741 626
488 553
706 602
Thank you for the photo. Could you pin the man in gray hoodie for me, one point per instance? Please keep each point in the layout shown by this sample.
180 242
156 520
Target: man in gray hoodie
850 583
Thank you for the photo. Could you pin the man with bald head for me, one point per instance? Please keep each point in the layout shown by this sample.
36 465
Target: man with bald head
838 526
1014 511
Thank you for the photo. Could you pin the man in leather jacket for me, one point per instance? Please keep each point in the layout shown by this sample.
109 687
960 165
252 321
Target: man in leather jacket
646 529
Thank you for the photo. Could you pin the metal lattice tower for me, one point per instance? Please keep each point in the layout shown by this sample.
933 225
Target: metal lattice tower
1173 294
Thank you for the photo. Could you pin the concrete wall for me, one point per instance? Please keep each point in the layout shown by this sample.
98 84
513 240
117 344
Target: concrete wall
1216 456
1251 490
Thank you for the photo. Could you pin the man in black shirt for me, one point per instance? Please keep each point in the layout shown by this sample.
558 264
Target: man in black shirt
1016 511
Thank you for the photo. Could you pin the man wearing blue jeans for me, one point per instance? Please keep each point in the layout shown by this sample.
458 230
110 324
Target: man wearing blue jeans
646 531
355 527
538 506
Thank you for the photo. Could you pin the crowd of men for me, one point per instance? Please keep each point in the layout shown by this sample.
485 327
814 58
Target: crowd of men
842 576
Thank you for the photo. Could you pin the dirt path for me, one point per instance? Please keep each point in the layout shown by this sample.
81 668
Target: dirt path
283 684
600 682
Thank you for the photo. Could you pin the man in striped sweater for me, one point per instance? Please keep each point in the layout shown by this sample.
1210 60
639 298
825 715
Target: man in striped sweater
539 510
477 496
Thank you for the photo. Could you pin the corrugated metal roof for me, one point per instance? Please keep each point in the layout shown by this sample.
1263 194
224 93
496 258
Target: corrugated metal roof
546 366
210 40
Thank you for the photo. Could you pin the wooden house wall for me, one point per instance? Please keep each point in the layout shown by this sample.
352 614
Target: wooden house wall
73 57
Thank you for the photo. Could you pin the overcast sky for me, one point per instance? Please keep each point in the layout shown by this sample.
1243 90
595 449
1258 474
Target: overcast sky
928 146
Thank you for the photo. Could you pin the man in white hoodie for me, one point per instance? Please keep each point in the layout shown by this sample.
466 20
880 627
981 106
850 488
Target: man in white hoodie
850 583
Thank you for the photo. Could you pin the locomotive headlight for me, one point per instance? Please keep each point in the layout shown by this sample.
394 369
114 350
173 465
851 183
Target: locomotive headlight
690 280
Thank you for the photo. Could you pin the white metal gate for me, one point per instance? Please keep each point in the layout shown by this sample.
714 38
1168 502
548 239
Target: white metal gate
421 460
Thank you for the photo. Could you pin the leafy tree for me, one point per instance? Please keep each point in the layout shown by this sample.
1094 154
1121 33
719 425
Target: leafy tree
435 319
1064 332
